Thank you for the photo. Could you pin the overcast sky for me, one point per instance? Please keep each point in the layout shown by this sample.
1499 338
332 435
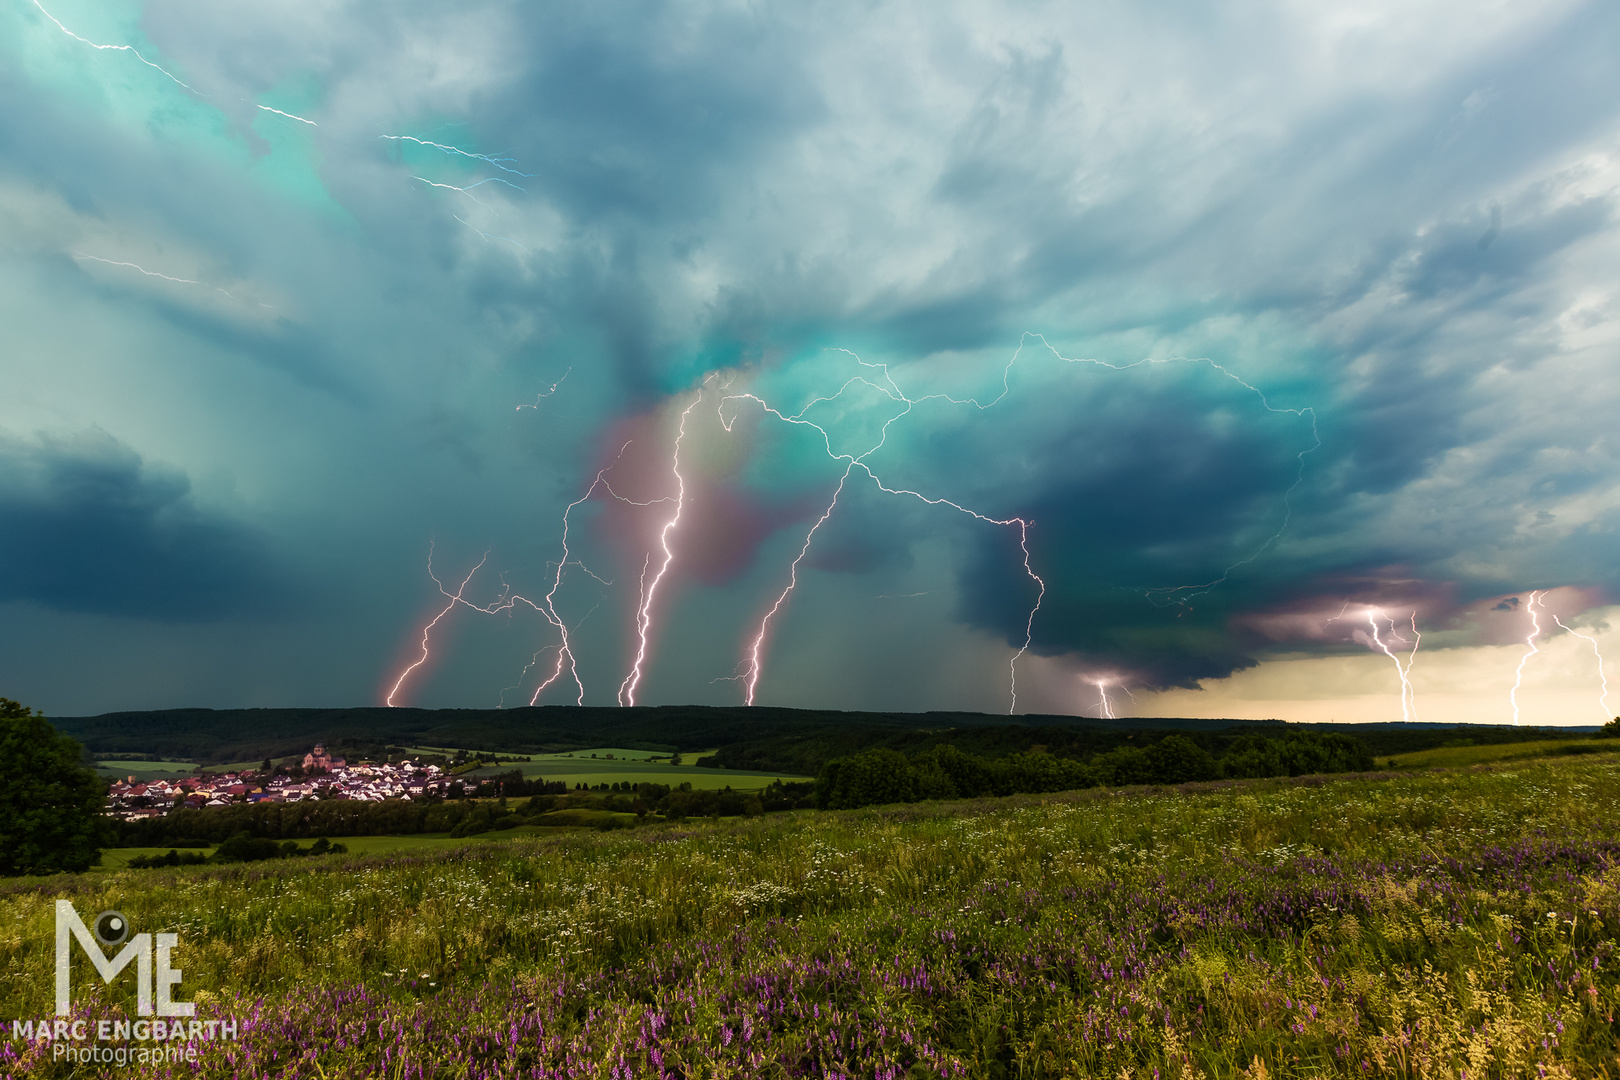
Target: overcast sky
1161 358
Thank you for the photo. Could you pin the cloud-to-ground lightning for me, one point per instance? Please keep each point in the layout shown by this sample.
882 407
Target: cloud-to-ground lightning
632 680
565 654
751 679
116 48
1102 694
1603 677
876 378
1408 697
1518 675
427 630
891 390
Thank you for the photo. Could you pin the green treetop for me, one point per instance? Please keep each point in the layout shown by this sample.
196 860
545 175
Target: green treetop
50 803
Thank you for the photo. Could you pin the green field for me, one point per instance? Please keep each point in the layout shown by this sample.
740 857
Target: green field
145 769
117 859
636 766
1421 924
1457 757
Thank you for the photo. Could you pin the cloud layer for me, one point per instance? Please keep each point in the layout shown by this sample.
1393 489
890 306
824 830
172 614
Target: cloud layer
1326 306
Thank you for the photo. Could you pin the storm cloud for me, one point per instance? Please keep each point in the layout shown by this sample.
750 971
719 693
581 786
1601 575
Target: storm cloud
1246 313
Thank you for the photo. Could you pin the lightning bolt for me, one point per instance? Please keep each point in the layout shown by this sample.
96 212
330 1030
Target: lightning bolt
454 599
755 663
1181 594
891 390
1102 693
153 273
467 191
1518 676
115 48
499 163
1603 698
546 393
490 238
565 654
627 689
288 115
1408 698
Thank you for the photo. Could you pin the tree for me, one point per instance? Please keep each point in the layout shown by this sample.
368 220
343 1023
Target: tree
51 803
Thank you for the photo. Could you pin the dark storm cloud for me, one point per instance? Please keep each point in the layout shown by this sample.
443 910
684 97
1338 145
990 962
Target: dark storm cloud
1399 224
87 526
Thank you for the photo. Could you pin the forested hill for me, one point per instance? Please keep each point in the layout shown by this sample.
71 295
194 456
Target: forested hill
218 735
797 740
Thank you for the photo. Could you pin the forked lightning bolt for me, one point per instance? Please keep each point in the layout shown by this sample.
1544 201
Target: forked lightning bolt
454 599
116 48
755 661
499 163
1102 693
887 386
1603 677
1408 698
644 619
1518 676
546 393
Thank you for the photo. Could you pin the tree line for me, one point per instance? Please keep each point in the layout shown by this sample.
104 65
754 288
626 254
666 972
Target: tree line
884 775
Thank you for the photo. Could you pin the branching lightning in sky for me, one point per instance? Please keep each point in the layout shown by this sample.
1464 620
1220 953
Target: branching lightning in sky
499 163
1603 677
547 392
165 277
467 191
1102 694
116 48
1165 595
565 655
876 378
885 384
627 689
490 238
454 599
751 679
288 115
891 390
1518 676
1408 698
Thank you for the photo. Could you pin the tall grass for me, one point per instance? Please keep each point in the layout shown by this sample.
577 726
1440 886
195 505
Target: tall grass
1431 925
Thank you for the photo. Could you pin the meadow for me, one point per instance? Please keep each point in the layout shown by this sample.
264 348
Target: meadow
633 767
1429 924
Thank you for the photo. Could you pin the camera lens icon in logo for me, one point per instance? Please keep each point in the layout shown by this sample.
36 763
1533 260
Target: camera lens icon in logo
112 928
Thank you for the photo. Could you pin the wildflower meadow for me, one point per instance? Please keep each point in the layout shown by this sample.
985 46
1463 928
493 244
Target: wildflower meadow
1443 924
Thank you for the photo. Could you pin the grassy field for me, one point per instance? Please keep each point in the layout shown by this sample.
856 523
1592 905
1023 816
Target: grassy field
144 770
1426 924
636 766
1459 757
116 859
618 752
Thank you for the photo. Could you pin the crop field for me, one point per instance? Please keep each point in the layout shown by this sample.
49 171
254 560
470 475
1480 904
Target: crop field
142 769
1431 924
635 766
1452 757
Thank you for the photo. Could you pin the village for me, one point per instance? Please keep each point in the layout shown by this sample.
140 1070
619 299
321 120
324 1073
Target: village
323 777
